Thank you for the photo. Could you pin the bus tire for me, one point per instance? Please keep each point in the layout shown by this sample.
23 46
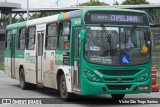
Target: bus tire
63 89
117 96
23 84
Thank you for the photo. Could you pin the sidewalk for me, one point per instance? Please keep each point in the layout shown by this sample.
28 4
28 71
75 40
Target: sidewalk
3 75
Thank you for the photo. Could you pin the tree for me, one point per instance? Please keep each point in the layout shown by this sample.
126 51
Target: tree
116 3
35 16
41 14
93 3
132 2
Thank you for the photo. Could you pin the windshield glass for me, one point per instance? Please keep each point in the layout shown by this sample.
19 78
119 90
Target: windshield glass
116 45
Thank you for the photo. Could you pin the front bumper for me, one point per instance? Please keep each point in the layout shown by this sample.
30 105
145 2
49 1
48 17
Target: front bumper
91 88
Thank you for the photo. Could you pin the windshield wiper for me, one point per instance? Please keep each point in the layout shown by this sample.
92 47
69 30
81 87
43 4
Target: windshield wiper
106 33
108 36
132 29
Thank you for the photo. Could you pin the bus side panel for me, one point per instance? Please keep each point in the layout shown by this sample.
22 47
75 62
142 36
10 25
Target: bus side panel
7 62
49 71
19 61
30 66
67 73
67 69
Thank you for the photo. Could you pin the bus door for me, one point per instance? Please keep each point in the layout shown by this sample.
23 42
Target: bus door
76 40
13 71
40 39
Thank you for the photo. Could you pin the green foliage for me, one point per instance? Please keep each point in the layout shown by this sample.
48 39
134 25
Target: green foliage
35 16
93 3
158 80
41 14
15 20
134 2
4 19
1 66
116 3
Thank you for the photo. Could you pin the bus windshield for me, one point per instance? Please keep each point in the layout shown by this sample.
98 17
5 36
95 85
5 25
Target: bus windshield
117 45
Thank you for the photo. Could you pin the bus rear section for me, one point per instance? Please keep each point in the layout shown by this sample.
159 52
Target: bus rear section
14 50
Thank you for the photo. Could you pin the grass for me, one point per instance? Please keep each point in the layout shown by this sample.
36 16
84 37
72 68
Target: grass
158 68
1 66
158 77
158 80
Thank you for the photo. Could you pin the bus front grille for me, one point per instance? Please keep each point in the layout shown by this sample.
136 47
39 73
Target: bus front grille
116 79
119 72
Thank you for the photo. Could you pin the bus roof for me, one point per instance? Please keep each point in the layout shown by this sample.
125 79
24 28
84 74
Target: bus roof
79 13
64 16
42 20
113 9
16 25
69 15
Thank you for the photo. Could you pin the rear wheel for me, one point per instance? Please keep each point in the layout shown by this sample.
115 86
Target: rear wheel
117 96
63 89
23 84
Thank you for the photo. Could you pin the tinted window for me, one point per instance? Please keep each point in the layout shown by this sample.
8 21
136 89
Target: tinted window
8 40
64 35
21 38
31 38
51 36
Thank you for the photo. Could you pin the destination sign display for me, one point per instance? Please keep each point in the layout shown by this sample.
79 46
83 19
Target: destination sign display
116 18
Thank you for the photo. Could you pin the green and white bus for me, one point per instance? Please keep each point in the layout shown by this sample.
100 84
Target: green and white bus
81 52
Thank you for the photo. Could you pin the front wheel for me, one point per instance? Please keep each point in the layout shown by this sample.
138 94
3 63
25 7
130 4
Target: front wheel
63 89
117 96
23 83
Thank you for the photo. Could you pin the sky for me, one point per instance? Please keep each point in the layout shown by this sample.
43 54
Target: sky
61 3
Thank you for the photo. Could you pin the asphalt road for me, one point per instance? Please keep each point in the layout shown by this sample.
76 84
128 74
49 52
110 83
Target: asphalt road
10 89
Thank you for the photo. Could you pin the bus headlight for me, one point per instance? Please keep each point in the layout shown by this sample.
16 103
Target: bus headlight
94 78
144 77
91 76
147 74
144 50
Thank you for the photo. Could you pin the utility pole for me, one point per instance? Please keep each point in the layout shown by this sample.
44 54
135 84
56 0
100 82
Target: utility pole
77 2
27 10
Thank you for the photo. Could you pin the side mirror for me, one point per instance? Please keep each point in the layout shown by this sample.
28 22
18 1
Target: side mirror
83 34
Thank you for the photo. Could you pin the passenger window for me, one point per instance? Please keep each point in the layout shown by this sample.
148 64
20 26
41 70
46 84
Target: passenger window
8 40
51 37
64 35
21 38
31 38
